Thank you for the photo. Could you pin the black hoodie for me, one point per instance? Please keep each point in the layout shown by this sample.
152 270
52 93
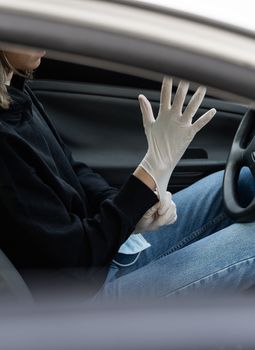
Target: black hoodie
56 212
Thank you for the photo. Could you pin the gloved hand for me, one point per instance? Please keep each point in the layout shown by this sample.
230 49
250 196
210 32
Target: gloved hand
162 213
171 133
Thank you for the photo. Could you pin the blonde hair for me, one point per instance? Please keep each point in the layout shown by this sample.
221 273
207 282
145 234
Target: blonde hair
5 69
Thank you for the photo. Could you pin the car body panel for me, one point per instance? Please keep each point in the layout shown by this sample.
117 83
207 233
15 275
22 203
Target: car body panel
95 31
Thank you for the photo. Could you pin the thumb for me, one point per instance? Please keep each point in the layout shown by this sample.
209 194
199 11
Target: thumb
152 210
165 203
146 109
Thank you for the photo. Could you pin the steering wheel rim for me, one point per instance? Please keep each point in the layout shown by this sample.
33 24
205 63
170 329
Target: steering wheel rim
242 154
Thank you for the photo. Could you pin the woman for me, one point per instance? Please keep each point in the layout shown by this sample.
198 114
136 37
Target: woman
60 214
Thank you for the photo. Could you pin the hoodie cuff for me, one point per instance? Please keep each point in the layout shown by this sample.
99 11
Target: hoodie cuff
135 198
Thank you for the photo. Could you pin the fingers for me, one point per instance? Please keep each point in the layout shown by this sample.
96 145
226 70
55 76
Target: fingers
144 224
194 104
164 203
180 96
202 121
169 217
147 220
166 211
152 210
166 93
146 109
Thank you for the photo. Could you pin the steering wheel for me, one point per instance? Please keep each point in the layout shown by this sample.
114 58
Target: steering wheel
242 154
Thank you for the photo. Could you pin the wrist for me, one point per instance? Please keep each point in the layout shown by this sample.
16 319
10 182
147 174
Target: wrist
145 177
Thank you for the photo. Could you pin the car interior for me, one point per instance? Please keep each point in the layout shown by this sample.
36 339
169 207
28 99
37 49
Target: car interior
96 112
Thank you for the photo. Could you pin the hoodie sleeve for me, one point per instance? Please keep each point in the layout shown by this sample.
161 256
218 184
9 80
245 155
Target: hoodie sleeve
44 231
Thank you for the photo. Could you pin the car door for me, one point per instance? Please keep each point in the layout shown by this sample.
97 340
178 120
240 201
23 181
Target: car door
97 114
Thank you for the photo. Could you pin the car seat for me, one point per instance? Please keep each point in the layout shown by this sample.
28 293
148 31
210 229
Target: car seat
12 286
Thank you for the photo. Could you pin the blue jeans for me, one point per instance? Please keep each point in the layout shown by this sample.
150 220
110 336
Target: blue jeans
203 250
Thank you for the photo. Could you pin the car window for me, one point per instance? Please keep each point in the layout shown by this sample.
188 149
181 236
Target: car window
60 70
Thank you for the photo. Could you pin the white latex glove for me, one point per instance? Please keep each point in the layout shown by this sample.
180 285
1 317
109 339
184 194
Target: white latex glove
162 213
171 133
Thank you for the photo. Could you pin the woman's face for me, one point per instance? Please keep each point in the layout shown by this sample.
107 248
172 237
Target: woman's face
25 60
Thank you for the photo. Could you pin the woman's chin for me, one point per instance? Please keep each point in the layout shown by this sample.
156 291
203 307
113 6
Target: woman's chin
34 65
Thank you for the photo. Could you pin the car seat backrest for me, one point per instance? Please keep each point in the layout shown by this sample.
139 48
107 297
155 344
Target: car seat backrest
12 286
